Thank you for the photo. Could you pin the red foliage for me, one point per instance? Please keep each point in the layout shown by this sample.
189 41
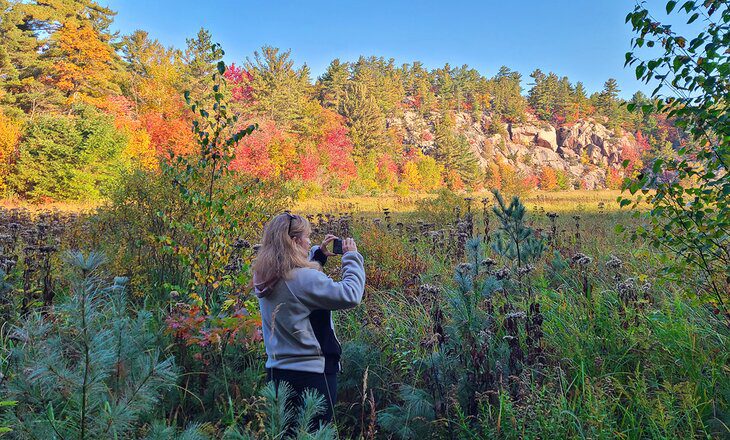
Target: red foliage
192 326
633 152
530 181
122 108
614 178
335 149
387 170
252 153
239 81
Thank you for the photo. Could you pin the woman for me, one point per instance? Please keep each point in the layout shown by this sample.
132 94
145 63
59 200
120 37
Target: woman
296 299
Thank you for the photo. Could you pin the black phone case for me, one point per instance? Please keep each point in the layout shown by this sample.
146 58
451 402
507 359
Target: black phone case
337 246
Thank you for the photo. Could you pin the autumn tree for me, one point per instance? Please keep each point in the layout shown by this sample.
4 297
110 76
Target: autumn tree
9 135
154 74
83 65
548 179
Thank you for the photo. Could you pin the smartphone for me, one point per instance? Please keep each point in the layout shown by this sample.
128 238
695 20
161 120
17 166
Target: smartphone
337 246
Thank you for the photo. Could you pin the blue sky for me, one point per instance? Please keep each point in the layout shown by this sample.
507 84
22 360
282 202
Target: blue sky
583 39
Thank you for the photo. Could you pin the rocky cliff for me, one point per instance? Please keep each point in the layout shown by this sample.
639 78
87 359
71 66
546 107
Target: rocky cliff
584 150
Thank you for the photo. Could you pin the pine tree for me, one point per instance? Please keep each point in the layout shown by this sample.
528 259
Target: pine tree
580 101
538 97
364 120
607 102
279 90
454 152
90 370
382 80
200 63
506 93
332 84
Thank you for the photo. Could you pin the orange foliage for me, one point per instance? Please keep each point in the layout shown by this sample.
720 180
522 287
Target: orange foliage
454 181
548 179
84 62
168 133
614 178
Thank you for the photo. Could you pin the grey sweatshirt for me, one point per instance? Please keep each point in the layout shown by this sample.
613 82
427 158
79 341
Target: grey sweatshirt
297 326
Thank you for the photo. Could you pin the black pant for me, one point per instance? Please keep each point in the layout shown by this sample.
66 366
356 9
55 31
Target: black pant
325 384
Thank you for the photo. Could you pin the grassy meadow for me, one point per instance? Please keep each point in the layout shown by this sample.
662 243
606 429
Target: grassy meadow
581 335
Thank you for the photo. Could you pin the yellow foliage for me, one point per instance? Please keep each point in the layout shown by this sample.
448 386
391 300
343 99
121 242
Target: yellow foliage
139 150
9 136
411 177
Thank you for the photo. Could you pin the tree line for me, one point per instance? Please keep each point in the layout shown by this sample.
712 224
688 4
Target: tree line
81 107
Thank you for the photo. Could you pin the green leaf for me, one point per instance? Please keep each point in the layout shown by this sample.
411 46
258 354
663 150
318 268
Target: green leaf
221 67
640 69
670 6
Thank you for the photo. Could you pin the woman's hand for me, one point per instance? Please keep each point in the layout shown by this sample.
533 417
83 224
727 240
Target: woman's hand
348 245
327 240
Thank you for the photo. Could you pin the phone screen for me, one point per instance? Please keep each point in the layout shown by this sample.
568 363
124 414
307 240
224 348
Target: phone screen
337 246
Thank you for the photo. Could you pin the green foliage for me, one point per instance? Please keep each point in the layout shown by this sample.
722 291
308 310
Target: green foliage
454 152
90 370
441 207
279 91
364 120
411 419
6 404
75 157
279 415
690 215
160 431
515 240
506 93
214 225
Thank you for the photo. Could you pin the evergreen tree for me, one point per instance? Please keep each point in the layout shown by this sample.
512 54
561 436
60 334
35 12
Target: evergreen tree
454 152
332 84
417 84
364 120
538 97
506 93
581 105
608 97
382 80
69 158
89 370
200 63
279 90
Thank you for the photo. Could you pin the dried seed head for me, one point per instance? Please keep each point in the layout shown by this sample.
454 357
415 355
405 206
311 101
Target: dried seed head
463 267
614 263
503 273
524 270
581 259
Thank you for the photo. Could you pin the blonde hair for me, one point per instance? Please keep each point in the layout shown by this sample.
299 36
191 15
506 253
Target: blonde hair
279 254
